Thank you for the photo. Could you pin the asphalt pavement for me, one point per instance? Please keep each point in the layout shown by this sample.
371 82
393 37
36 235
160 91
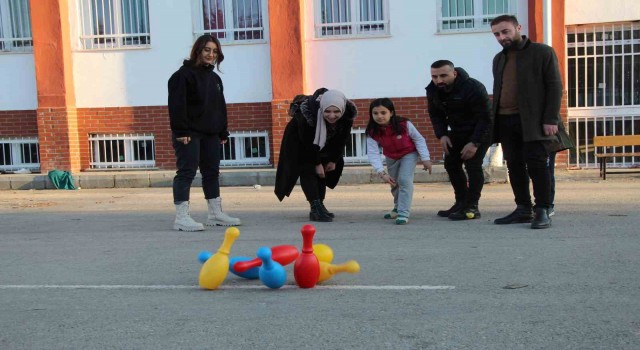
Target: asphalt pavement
102 269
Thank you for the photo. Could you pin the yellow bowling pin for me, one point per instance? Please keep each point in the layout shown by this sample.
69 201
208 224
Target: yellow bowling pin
323 252
215 269
329 270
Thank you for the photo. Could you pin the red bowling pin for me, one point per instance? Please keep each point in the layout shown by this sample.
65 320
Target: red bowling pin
306 269
283 254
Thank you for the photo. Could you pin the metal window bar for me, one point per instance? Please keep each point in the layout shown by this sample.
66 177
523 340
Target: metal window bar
18 153
583 129
351 17
114 24
122 151
231 20
471 15
15 26
603 65
245 149
355 151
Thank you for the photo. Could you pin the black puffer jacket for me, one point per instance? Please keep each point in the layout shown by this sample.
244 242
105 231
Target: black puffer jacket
297 149
196 102
465 109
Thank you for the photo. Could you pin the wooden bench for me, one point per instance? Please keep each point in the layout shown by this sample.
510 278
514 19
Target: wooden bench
614 141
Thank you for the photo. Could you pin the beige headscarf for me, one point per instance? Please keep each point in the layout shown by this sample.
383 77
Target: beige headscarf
329 98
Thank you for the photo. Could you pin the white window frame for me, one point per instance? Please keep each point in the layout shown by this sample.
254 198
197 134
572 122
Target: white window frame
126 154
478 20
230 29
18 160
237 141
355 27
14 18
116 39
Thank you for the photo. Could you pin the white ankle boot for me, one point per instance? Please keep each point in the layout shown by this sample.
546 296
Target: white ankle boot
183 221
216 217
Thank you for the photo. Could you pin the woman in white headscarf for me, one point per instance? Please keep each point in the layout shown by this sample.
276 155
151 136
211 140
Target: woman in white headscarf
313 147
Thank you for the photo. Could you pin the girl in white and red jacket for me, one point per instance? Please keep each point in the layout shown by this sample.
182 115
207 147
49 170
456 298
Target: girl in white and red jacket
402 146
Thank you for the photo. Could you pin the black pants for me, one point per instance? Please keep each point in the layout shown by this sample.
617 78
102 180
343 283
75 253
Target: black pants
202 152
466 191
552 172
525 160
313 186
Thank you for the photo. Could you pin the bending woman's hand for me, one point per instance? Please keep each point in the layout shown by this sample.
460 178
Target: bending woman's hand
331 166
320 171
184 140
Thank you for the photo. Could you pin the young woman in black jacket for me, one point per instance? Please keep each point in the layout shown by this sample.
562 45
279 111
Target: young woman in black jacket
198 118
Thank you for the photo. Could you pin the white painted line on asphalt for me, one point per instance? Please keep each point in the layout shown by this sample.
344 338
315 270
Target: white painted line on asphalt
227 287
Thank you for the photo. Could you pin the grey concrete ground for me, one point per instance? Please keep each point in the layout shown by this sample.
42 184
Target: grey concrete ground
101 268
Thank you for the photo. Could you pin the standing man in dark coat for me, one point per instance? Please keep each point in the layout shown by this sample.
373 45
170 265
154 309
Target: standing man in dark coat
527 91
460 112
313 146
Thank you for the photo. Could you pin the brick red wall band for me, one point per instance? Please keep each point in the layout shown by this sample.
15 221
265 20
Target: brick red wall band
269 116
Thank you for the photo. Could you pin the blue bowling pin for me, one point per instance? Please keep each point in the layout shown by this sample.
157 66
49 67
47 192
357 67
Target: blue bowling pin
251 274
271 273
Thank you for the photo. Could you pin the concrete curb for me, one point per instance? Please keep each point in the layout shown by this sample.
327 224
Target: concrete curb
228 177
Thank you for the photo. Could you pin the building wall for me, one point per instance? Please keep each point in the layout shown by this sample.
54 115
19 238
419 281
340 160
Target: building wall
18 82
601 11
155 120
138 77
398 65
20 123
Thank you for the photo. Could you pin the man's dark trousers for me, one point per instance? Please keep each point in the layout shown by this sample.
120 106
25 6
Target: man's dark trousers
453 165
524 160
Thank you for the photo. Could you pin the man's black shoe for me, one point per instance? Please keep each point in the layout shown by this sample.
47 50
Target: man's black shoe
541 219
454 208
522 214
469 213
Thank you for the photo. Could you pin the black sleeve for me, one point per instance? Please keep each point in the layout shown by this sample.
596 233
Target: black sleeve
437 115
553 88
481 110
178 105
224 135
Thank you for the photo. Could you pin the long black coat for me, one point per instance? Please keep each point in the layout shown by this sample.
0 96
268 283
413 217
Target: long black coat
539 88
297 149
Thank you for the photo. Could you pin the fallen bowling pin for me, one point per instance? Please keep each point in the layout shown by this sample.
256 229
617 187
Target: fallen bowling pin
216 268
327 270
271 273
251 274
323 252
306 269
283 254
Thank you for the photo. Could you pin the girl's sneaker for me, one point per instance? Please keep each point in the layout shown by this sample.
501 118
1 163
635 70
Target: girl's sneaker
392 214
402 220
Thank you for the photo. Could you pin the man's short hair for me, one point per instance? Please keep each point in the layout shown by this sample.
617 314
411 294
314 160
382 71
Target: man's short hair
442 63
505 18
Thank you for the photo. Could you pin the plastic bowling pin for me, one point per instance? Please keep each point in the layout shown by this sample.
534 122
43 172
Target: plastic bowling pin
271 273
283 254
329 270
306 269
204 256
250 274
215 270
323 252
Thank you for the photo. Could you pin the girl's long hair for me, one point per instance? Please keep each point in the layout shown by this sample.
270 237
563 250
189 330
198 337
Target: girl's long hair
374 128
200 44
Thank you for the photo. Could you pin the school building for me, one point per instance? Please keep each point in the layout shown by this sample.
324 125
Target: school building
83 83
